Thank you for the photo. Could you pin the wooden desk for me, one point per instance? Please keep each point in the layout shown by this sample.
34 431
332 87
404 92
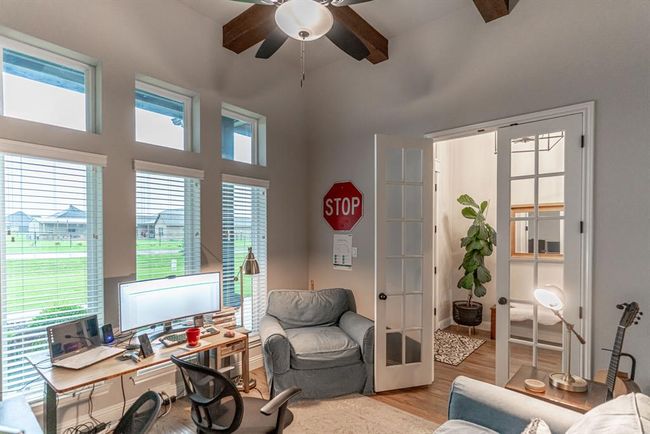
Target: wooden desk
580 402
61 380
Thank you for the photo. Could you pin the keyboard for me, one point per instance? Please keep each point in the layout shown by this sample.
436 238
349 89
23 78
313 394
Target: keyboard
180 338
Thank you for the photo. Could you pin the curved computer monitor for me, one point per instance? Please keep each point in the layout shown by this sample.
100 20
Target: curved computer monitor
159 301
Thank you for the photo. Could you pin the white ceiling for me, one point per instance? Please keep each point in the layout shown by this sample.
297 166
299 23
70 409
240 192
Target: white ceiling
390 17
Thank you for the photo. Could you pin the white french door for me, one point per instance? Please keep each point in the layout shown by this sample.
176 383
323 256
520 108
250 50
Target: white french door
540 242
403 262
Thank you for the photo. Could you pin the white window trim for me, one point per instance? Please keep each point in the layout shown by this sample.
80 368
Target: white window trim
142 83
236 113
14 147
166 169
45 54
255 182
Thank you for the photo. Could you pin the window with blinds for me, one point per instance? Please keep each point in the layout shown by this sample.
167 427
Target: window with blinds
168 221
50 257
243 226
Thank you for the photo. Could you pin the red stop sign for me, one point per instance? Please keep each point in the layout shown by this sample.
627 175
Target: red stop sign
343 206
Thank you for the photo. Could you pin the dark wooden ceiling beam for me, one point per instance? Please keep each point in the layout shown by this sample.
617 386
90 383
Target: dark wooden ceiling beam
492 9
376 43
249 28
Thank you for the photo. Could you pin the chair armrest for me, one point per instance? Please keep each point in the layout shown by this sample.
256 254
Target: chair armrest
281 400
275 344
503 410
362 331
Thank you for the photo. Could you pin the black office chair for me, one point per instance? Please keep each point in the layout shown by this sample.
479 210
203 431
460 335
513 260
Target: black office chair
218 407
140 417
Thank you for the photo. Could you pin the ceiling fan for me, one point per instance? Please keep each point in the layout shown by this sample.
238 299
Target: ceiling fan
275 21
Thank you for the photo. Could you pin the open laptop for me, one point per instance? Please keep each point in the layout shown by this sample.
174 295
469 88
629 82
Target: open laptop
77 344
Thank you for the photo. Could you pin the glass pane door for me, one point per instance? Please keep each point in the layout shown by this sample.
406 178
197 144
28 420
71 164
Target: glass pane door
540 204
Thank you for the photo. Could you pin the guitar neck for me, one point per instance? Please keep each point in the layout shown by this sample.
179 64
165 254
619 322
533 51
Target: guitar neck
614 361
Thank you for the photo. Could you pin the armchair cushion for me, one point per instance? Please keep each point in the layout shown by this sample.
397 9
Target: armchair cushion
321 348
297 308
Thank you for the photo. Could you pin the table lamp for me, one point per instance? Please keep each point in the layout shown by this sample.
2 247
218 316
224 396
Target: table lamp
552 297
249 267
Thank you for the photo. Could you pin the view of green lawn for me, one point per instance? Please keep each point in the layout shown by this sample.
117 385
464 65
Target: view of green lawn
70 274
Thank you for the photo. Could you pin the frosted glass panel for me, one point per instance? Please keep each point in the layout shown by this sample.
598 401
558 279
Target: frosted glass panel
412 238
522 192
413 202
413 165
522 157
551 190
394 238
394 165
393 349
413 275
551 152
393 276
550 274
414 346
551 236
394 201
522 280
413 317
523 232
394 313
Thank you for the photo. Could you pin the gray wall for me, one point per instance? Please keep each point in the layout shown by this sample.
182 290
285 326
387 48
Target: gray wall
460 71
168 41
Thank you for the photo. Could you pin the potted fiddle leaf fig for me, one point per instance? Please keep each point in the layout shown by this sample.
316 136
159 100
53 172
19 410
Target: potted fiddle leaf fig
478 244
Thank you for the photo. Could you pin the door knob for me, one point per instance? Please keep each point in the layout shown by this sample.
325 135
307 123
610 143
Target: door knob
503 300
383 296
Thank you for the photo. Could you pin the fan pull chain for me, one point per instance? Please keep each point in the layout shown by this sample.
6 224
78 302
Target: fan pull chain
303 75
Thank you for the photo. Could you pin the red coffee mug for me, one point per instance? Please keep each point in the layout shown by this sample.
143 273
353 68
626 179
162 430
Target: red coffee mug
193 335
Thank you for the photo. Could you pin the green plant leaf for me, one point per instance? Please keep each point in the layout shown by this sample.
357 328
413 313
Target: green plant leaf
484 206
472 231
483 274
483 233
480 291
466 199
475 245
467 281
465 241
486 250
469 213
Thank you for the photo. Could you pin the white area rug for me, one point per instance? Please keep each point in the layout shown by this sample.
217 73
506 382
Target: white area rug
452 349
354 414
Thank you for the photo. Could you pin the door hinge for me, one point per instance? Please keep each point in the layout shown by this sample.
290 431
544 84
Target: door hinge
582 141
582 227
435 270
436 188
435 311
580 312
435 229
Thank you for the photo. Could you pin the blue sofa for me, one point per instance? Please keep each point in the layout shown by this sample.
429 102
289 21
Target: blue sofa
476 407
316 341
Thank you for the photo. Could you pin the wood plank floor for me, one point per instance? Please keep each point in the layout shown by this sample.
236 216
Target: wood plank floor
429 402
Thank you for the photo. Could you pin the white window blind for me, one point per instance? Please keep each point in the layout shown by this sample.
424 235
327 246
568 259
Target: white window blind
50 256
244 210
168 221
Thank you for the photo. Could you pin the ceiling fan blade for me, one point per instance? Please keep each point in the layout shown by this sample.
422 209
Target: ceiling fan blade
273 42
343 2
347 41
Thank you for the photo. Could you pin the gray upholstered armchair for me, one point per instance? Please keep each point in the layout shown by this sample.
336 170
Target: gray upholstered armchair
316 341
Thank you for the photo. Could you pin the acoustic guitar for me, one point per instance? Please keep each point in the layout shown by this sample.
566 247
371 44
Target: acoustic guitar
619 383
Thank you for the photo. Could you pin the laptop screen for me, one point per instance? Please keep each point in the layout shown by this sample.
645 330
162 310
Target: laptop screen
73 337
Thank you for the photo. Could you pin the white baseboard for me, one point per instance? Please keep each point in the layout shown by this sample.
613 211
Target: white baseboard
443 324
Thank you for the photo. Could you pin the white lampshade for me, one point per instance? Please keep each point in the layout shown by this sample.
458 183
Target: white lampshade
304 19
550 297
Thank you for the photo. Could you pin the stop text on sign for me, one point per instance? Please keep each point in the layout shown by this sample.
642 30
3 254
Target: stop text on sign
343 206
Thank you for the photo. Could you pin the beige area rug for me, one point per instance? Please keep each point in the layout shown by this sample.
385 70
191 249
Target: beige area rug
354 414
452 349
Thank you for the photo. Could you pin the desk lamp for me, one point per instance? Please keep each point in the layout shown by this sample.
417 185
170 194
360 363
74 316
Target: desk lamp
552 297
249 267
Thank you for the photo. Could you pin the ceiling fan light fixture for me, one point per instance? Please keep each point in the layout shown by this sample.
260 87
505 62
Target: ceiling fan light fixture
304 20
